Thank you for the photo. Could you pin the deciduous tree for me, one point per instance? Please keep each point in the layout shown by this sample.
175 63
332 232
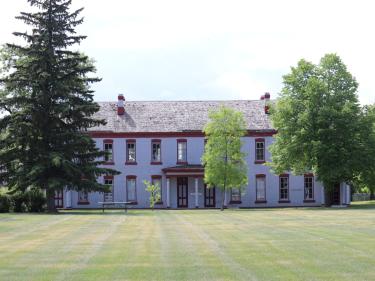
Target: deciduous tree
224 162
319 123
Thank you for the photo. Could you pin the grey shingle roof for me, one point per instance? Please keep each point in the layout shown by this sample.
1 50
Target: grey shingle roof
176 116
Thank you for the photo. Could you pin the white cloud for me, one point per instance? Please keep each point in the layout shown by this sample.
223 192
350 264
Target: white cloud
245 45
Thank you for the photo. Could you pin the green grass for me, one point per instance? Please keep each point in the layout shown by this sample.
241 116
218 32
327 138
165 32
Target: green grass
261 244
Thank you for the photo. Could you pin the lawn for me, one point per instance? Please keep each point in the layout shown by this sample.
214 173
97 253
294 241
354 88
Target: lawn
261 244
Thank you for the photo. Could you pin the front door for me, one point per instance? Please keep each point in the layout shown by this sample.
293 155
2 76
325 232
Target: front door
209 197
182 192
336 194
59 198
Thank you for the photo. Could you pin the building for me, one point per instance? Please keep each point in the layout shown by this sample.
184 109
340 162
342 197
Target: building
162 141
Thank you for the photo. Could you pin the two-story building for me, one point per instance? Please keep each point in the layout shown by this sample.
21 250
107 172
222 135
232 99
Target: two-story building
163 142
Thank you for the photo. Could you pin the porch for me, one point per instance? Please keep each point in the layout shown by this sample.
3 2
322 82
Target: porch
185 188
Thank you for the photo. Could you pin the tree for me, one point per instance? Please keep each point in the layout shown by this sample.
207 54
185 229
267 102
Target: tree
154 191
49 104
224 162
318 121
365 179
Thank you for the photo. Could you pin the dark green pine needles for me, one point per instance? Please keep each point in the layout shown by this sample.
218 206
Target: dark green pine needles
46 93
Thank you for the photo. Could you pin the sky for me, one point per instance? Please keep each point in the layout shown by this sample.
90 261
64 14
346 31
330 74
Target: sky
214 50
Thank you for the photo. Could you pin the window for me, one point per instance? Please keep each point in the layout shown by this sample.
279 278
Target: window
108 196
156 151
108 149
259 150
261 188
181 151
309 187
130 152
83 197
131 191
156 180
235 195
284 188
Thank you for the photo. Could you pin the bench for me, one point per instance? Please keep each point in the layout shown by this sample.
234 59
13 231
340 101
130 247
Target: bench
104 204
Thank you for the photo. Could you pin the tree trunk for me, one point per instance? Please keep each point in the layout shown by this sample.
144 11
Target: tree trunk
222 200
51 208
372 194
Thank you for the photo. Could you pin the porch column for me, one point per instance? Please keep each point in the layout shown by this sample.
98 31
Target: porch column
196 193
168 196
68 203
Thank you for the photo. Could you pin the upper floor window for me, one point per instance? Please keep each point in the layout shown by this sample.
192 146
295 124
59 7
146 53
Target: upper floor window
284 187
259 150
108 149
260 188
108 196
131 151
181 151
131 189
309 187
156 151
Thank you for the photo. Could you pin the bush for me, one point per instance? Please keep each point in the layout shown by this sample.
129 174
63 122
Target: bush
36 201
20 201
5 203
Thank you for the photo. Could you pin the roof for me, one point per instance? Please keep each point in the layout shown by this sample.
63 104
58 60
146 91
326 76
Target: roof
176 116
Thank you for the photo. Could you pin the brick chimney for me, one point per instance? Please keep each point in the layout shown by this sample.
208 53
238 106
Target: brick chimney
266 97
120 105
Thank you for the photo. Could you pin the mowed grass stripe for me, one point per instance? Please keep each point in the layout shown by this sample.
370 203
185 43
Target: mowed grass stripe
277 244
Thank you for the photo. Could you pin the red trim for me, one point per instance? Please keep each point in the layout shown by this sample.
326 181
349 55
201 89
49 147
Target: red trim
156 163
130 163
309 175
156 177
184 175
260 202
131 177
108 177
260 175
284 201
260 140
259 162
83 203
156 140
284 175
110 134
182 170
107 141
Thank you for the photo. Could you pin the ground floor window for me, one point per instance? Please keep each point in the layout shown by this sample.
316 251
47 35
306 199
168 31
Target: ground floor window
108 196
284 188
309 187
235 195
131 189
83 197
260 188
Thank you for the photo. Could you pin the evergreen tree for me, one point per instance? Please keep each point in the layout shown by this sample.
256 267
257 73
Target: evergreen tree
46 93
224 162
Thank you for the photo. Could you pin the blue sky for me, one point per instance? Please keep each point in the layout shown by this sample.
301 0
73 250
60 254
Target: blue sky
188 50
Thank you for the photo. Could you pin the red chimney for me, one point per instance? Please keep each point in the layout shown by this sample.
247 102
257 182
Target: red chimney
120 105
267 98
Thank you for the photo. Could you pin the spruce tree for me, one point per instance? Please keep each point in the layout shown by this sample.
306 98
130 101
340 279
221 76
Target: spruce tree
46 93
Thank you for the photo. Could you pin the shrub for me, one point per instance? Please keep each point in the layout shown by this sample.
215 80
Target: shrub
5 203
20 201
35 201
